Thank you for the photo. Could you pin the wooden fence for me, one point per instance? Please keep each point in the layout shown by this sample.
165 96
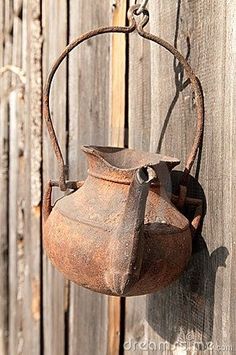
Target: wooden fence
115 90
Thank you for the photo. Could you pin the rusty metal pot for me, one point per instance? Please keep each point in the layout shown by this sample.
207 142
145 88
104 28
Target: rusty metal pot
120 233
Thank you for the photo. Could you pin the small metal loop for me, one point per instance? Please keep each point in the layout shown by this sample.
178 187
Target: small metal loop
132 13
141 8
145 19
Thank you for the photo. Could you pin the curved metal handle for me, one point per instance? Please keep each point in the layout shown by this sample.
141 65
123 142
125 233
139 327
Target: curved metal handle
132 26
47 89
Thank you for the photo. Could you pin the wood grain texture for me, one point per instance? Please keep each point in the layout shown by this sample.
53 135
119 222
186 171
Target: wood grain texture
218 170
88 124
117 139
15 244
21 38
114 326
54 285
139 92
196 311
16 198
118 77
30 165
4 194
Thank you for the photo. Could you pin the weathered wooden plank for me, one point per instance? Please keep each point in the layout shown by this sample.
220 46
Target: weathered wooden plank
171 109
117 138
197 309
139 92
114 325
31 162
4 199
118 77
54 287
168 313
2 23
218 171
12 290
16 198
15 245
195 318
135 325
88 124
4 234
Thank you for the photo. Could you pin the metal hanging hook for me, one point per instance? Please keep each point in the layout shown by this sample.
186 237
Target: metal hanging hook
142 7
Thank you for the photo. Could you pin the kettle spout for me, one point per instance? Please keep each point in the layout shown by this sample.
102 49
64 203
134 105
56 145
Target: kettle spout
127 255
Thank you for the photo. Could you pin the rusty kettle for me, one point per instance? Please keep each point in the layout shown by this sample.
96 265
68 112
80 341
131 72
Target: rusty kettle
120 232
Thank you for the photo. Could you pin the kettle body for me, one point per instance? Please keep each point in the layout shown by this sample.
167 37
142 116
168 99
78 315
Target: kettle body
119 233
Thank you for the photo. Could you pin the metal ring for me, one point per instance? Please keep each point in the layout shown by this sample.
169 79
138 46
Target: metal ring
141 8
132 13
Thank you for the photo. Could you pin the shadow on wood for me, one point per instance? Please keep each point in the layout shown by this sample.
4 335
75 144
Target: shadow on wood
180 84
188 304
